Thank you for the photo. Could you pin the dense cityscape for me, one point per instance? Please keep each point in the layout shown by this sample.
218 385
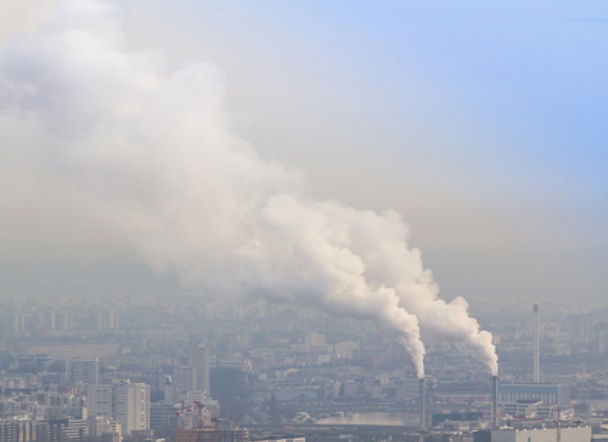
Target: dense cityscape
303 221
152 368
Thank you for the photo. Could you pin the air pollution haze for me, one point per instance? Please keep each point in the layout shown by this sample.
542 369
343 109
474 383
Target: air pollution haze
152 146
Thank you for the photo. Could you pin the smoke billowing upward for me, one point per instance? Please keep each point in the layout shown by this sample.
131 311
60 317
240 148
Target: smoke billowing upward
153 146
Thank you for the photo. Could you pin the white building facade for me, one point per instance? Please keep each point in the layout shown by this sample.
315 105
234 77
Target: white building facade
132 406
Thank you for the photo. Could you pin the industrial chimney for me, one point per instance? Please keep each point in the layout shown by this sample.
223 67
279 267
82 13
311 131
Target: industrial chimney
494 402
422 394
536 357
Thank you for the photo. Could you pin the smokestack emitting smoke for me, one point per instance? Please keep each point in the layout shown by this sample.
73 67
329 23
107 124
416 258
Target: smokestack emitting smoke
422 394
152 146
536 356
494 401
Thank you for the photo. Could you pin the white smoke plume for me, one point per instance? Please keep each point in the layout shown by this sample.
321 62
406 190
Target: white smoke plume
153 146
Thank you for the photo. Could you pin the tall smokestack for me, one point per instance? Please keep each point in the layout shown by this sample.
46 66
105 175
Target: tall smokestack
422 395
494 401
536 361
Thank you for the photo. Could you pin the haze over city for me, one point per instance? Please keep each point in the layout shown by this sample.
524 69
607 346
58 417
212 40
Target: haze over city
482 126
277 212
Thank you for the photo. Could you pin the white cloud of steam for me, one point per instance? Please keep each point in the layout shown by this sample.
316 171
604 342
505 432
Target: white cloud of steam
153 146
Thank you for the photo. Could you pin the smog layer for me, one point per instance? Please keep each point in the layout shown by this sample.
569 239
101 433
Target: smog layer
152 146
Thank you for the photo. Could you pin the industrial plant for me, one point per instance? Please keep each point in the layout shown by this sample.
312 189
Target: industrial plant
169 274
273 373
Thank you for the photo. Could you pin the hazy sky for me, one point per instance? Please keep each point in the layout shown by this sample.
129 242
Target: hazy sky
483 124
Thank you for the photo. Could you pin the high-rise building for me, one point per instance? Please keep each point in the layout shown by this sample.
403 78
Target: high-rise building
83 370
184 379
601 341
108 320
100 400
199 359
581 326
163 419
315 339
52 320
128 403
105 428
28 430
18 321
67 320
132 406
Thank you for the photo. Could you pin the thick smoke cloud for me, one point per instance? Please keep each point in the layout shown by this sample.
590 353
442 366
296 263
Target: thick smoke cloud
152 144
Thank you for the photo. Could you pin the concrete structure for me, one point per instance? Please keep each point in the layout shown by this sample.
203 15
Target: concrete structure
67 320
549 394
212 435
280 438
51 320
346 349
108 320
163 418
100 400
581 326
105 427
69 351
23 430
575 434
75 429
522 409
18 321
494 401
83 370
601 340
199 359
132 406
128 403
51 430
422 398
184 379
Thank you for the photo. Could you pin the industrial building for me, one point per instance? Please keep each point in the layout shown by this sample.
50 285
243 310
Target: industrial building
573 434
549 394
280 438
211 435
